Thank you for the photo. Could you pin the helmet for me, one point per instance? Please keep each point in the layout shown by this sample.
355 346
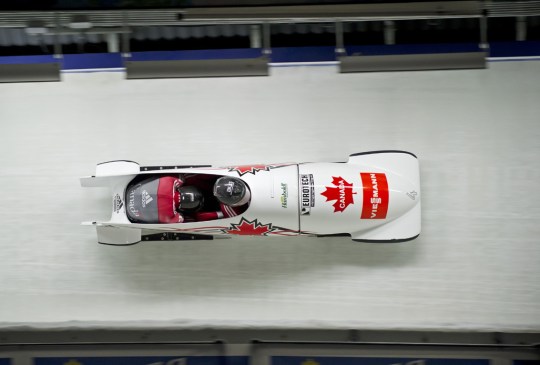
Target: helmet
190 198
231 191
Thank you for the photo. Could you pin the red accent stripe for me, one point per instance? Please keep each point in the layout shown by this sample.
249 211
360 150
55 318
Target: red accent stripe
228 211
231 212
376 196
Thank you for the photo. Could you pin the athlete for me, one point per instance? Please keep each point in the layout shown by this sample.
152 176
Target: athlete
162 200
168 199
233 196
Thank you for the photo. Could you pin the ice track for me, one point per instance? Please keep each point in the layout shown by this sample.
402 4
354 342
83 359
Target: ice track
475 266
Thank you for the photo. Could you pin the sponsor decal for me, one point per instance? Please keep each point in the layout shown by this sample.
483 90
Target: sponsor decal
249 228
117 203
341 192
376 196
307 193
284 195
131 204
146 198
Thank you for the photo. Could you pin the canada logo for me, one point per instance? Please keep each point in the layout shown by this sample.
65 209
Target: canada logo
249 228
341 192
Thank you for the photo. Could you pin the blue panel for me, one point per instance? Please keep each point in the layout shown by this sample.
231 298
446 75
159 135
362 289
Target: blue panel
526 362
143 360
303 54
278 55
27 59
327 360
411 49
515 49
92 60
4 361
196 55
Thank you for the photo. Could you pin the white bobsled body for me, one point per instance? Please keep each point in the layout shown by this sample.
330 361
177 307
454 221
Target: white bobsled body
372 197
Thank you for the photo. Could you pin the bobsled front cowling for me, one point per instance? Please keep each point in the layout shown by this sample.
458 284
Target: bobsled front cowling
360 198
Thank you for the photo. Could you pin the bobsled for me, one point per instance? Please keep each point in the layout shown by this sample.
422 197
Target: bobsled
372 197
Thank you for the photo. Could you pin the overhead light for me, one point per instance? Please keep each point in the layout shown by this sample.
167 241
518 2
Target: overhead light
80 22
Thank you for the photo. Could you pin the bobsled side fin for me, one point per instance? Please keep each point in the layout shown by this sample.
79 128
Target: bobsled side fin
115 168
119 236
405 228
94 182
382 151
105 181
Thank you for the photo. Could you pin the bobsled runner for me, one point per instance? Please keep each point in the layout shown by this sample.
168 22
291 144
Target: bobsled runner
373 197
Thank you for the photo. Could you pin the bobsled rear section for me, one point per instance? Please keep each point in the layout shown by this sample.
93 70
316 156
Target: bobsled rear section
374 197
115 175
109 172
271 211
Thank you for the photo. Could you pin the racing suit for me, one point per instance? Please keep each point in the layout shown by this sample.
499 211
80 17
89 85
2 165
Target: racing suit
154 200
226 211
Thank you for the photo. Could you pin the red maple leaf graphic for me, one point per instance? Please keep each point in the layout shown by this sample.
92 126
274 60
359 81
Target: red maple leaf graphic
341 192
253 228
252 169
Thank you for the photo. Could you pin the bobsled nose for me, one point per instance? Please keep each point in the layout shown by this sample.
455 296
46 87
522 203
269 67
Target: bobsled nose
403 200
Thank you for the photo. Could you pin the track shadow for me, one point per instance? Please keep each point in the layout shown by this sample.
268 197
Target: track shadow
243 264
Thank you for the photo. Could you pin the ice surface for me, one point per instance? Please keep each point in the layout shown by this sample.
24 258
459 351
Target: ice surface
476 264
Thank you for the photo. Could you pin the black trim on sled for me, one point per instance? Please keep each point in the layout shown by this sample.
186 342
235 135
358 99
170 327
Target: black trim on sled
119 244
172 167
382 151
389 241
165 236
101 163
334 235
175 236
